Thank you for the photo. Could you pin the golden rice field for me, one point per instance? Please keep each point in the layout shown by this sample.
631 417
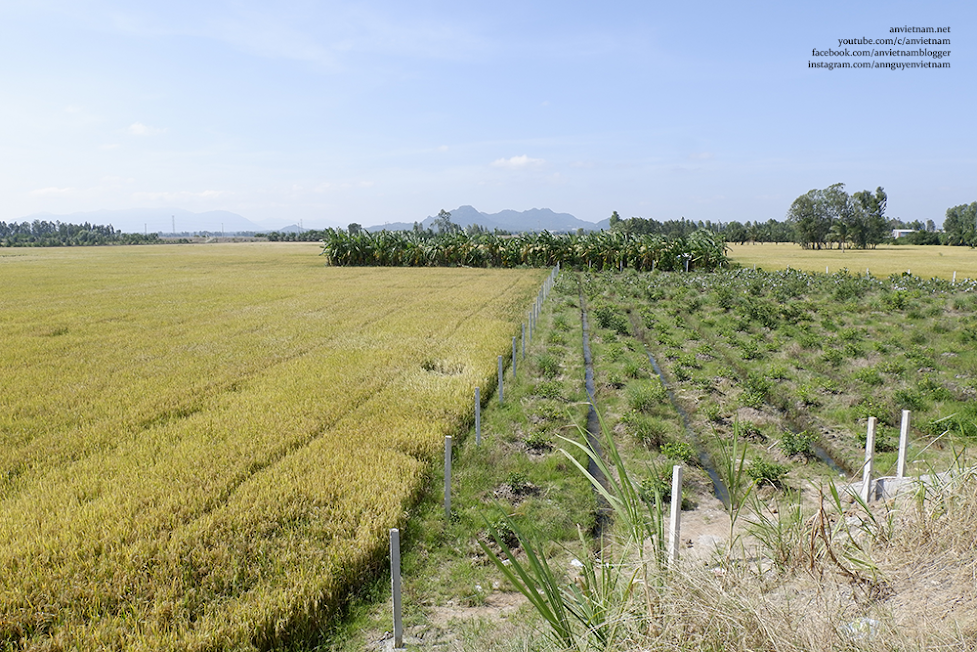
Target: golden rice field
203 446
923 261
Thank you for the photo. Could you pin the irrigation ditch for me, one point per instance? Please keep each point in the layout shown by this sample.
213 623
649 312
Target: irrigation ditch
604 511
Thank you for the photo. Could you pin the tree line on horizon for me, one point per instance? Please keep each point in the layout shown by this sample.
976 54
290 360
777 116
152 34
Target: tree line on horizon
818 219
41 233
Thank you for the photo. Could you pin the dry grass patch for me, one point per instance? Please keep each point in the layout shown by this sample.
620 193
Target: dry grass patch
923 261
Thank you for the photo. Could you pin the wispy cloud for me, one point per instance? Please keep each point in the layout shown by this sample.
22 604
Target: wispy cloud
139 129
518 162
51 191
701 156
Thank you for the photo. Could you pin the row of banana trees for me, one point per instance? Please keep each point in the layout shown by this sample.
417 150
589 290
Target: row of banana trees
702 249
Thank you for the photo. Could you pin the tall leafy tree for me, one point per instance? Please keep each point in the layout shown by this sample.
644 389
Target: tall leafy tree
873 226
960 225
444 224
810 215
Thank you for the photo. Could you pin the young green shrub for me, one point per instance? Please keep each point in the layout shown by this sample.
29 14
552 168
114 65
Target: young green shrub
809 340
548 389
689 360
648 317
679 451
833 356
610 319
614 351
909 399
932 389
869 376
725 298
765 472
538 442
750 350
757 389
892 367
798 443
808 395
896 300
778 372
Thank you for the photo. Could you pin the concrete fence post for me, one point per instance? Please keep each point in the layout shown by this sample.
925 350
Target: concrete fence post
869 457
478 418
514 349
500 380
675 518
523 341
395 586
903 444
447 476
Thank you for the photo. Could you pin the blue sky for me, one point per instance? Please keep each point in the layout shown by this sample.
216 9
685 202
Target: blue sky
373 112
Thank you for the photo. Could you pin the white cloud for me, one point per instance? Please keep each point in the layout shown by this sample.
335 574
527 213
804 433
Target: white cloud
443 148
139 129
51 191
518 162
701 156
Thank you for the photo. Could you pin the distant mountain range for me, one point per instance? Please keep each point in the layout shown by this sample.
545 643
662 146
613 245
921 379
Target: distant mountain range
164 220
535 219
178 220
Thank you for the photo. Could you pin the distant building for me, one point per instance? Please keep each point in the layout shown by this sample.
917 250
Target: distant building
898 233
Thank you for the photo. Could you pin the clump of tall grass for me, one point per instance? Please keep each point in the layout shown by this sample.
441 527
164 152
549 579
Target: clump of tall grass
645 395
